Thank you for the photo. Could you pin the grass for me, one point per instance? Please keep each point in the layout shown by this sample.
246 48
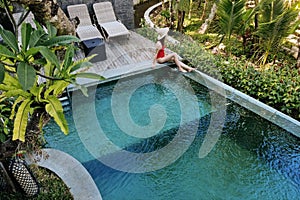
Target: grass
51 187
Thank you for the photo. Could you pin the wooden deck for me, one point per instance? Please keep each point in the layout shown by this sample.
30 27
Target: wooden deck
124 52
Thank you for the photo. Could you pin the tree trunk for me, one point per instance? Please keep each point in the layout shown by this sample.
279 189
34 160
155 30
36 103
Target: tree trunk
204 10
211 16
172 14
190 9
49 10
180 21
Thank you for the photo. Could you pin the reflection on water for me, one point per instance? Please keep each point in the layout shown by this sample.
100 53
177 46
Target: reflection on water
253 159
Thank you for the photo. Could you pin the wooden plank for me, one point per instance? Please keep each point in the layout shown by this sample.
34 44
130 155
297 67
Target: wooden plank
123 52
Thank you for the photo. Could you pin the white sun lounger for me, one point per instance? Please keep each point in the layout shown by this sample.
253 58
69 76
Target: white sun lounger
85 30
107 20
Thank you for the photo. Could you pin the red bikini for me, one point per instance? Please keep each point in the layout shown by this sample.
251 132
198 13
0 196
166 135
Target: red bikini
161 53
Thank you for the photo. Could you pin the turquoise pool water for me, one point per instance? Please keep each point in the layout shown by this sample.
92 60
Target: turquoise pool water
252 159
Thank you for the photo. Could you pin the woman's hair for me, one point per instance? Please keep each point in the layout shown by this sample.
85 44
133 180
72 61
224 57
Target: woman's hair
162 41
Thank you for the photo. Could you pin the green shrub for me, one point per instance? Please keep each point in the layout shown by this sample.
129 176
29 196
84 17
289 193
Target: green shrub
277 86
147 32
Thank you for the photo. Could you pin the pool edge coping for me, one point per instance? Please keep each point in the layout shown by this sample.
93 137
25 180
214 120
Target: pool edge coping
267 112
70 170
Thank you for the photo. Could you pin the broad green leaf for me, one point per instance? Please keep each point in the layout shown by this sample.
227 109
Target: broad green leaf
50 56
52 31
1 73
48 69
57 88
82 88
4 87
26 74
26 30
21 120
61 40
36 36
5 52
55 110
90 75
68 57
11 81
13 109
38 25
16 93
81 64
32 51
10 39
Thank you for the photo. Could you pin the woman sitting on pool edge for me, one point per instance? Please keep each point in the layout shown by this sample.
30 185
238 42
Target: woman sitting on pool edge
160 55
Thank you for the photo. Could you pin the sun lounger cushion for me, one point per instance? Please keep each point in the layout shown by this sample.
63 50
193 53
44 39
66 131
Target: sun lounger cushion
107 20
85 30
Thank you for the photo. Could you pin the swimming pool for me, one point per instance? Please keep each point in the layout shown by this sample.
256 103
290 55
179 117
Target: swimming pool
252 158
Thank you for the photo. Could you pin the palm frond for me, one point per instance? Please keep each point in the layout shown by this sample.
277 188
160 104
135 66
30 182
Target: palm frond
230 15
275 23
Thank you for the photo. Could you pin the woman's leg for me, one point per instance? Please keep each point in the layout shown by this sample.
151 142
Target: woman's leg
188 68
172 57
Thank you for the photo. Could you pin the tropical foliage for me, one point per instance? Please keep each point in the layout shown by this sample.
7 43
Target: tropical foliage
262 27
278 85
6 125
230 15
43 11
36 72
253 60
266 25
276 21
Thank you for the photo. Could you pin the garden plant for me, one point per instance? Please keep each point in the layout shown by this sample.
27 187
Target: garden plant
254 38
33 75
